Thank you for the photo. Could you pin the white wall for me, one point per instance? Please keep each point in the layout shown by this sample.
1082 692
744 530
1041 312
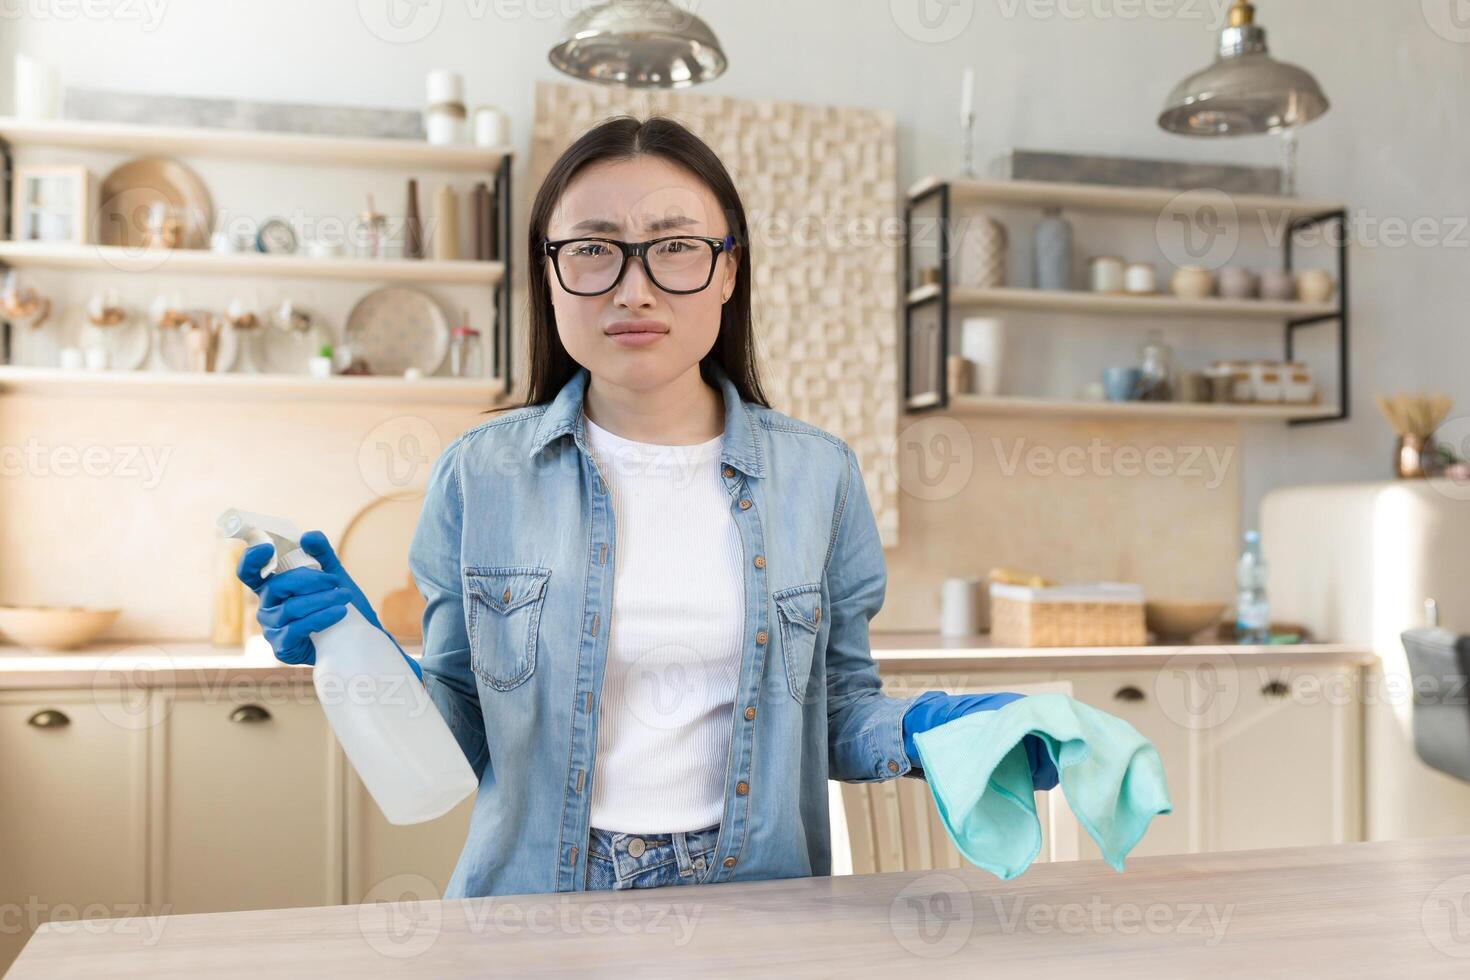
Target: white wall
1081 75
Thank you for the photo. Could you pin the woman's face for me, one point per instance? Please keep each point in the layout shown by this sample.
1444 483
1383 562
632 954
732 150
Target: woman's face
632 201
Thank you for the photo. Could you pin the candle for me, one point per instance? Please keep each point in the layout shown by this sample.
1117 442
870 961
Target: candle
967 96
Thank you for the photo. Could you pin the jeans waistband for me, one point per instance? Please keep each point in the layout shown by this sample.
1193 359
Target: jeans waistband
630 853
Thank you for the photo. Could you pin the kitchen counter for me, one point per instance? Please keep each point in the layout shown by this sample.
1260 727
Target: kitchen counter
139 664
918 652
1350 910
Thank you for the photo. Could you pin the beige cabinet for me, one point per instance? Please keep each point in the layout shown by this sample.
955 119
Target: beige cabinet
244 814
1285 758
389 862
73 769
1254 757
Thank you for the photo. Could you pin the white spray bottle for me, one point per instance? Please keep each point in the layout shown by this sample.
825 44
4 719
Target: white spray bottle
384 720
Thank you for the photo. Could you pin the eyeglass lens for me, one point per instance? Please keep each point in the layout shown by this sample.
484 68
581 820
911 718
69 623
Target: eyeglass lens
675 264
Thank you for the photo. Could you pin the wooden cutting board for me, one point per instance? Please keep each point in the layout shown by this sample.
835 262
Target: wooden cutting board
374 550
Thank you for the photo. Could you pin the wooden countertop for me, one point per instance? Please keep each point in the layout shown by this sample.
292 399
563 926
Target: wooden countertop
127 664
1356 910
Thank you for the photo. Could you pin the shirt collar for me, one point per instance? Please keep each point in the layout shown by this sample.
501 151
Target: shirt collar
741 449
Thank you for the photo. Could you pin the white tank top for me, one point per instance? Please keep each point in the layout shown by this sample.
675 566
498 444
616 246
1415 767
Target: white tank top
678 615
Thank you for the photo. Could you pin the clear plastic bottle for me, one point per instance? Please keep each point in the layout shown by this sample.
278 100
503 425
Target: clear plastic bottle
380 712
1252 611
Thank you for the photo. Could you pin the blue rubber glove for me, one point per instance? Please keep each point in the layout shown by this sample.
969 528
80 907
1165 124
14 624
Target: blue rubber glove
933 708
301 601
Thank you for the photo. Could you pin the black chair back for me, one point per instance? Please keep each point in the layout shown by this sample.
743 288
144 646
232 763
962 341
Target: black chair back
1439 664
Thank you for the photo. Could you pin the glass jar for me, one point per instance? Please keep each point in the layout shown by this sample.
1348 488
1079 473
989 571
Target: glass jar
464 352
1154 384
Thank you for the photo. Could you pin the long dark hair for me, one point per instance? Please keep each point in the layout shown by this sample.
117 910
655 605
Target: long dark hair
620 138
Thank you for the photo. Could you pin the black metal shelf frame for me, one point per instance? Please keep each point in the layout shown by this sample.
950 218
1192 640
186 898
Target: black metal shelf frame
922 401
1340 315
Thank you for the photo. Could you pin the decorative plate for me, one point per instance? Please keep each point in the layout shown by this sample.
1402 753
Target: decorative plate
397 328
131 189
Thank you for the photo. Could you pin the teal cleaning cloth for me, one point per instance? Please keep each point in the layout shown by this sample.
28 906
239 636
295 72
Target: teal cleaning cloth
980 778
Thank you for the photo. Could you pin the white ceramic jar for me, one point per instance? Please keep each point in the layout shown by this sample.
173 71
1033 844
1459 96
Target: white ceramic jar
1298 384
492 127
1141 279
1267 381
1107 274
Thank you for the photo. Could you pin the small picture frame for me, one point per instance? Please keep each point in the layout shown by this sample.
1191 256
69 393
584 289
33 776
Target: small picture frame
50 204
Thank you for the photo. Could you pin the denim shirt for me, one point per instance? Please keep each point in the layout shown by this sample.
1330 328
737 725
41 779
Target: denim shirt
514 554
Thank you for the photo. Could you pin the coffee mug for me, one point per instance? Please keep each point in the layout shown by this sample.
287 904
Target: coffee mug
1121 384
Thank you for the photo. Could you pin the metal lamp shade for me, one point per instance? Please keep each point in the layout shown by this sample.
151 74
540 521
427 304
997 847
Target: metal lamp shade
1242 95
639 44
1245 91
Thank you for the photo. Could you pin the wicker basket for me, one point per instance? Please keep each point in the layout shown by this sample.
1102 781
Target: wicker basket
1102 615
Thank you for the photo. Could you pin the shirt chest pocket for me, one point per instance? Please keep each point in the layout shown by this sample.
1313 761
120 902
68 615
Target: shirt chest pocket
800 613
504 621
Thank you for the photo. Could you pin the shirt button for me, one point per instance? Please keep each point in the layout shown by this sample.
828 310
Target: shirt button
729 862
506 596
745 505
729 471
742 788
760 638
750 713
892 766
760 561
636 846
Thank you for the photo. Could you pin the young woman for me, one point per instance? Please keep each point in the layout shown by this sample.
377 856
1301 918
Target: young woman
648 591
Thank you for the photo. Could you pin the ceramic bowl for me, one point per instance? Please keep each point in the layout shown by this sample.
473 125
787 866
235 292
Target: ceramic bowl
1315 286
1172 620
53 627
1237 282
1193 282
1277 285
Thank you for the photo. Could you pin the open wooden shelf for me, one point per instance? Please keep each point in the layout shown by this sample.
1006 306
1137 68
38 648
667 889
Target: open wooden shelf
237 144
1104 197
483 392
1007 405
1083 302
201 262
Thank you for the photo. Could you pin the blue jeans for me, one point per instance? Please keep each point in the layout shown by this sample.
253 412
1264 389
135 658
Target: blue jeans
616 861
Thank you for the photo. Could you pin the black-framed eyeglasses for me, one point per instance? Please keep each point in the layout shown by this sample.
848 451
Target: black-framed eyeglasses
676 264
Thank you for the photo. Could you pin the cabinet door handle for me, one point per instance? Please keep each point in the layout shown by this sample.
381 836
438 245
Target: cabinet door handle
1129 693
249 714
1275 689
48 718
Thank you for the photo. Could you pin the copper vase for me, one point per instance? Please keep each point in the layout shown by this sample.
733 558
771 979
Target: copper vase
1409 456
